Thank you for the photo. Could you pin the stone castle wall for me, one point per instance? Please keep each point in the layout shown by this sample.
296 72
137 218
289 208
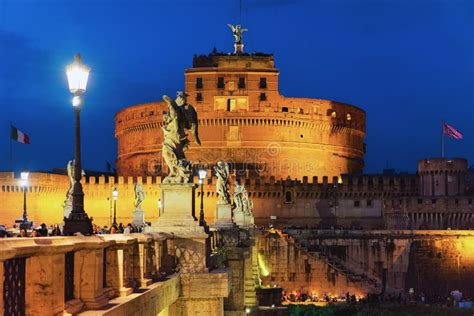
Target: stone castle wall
379 201
245 121
361 262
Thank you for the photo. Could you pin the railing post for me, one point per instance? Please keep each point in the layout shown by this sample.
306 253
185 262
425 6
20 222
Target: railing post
88 275
119 272
44 293
140 258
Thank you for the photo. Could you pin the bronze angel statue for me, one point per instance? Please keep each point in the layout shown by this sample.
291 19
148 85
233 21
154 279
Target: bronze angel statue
180 117
237 31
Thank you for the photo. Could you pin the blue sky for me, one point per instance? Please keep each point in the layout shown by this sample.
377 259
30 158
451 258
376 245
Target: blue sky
408 63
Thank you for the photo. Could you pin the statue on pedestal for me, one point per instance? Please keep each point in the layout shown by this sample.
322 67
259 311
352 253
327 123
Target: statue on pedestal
138 216
238 44
139 196
222 186
180 117
243 208
237 31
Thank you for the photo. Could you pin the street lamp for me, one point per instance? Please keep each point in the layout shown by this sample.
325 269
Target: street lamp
78 221
24 224
115 195
202 175
160 205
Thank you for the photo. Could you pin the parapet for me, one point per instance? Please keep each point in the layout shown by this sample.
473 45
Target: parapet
442 165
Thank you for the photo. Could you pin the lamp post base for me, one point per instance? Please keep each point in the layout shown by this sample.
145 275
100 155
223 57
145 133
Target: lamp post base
77 223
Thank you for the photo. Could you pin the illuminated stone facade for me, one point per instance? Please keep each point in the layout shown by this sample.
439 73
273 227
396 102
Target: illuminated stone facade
245 121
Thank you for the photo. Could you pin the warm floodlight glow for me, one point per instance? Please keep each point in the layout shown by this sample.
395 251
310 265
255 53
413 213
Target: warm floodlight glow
263 267
202 174
24 178
77 76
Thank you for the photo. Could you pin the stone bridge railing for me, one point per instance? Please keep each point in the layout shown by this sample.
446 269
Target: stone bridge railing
97 275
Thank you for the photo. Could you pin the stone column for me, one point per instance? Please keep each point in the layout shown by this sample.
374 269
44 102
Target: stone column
118 275
88 276
140 259
44 293
235 302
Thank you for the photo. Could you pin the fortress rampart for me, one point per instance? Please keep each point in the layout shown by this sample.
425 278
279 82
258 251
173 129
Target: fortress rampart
307 201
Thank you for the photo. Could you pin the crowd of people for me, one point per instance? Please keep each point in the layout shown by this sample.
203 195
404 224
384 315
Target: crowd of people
304 297
56 230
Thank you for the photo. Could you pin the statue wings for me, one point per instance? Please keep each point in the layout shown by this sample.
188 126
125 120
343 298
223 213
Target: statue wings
191 119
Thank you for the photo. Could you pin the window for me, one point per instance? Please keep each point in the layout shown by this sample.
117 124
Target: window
356 203
333 114
263 83
263 97
220 83
288 197
231 105
199 97
348 117
284 109
198 83
241 83
369 203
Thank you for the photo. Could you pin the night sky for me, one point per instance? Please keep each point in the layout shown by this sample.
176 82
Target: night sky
408 63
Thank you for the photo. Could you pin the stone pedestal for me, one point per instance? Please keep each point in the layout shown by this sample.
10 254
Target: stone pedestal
223 216
238 48
138 217
243 220
202 294
178 212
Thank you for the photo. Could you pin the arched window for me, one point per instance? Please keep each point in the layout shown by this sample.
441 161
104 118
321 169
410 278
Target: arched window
333 114
348 116
288 197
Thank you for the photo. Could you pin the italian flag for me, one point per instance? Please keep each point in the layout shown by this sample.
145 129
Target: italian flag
19 136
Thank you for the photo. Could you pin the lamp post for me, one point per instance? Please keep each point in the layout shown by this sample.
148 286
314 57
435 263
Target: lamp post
202 176
115 195
78 221
24 224
160 205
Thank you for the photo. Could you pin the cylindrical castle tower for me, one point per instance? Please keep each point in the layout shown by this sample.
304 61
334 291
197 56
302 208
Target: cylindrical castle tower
245 121
442 177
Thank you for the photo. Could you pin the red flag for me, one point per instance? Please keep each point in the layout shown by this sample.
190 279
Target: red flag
451 131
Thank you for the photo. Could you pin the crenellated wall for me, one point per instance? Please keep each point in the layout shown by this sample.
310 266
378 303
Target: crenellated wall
365 201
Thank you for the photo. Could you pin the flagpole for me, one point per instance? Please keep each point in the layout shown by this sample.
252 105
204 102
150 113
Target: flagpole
442 139
11 160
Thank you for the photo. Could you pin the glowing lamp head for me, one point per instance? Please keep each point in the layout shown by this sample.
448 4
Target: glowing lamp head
76 101
24 178
77 76
202 174
248 310
115 193
160 204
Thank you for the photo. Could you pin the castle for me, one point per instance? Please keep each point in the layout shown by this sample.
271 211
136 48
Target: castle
300 159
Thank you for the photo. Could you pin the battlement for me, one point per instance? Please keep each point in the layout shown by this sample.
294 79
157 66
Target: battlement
245 61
